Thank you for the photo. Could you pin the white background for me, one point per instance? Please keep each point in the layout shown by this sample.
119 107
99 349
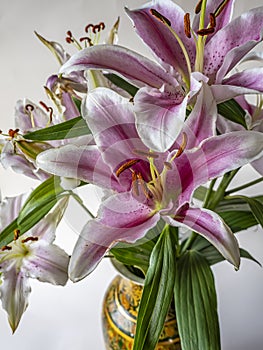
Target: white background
69 318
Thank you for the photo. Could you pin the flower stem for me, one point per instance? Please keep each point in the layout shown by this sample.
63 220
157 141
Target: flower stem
80 202
252 183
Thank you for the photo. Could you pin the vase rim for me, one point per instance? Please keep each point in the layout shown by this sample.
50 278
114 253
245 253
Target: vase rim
125 272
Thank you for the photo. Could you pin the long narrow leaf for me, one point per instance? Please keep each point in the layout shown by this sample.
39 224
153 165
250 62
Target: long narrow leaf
196 303
72 128
157 292
231 110
38 204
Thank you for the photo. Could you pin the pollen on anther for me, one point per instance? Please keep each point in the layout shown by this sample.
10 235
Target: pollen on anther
16 234
160 17
212 21
206 31
6 247
125 166
33 239
187 25
29 107
182 146
198 7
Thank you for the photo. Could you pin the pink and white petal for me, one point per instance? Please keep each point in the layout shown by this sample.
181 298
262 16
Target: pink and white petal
230 44
221 21
258 165
84 163
115 134
209 225
14 292
159 117
10 208
121 218
250 79
215 157
47 263
201 123
224 93
118 59
45 229
159 38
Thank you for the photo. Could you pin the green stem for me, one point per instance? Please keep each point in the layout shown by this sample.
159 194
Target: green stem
211 201
80 202
209 193
220 192
252 183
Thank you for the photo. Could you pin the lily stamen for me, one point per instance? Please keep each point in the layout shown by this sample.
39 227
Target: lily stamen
145 153
198 7
212 21
160 17
182 146
16 234
187 25
126 165
49 110
28 239
6 247
221 7
206 31
12 133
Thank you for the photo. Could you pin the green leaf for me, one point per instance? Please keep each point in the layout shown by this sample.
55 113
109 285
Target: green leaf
71 128
38 204
139 253
212 255
121 83
157 292
231 110
256 208
196 303
238 220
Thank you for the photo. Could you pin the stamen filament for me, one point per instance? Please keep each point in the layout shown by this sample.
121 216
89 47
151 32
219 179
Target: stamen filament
221 7
167 23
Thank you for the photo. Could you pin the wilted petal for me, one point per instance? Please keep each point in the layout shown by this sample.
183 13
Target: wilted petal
159 117
14 292
212 227
229 45
159 38
48 263
121 218
114 58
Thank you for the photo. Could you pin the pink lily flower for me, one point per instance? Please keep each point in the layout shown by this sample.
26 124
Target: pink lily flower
184 57
146 186
33 255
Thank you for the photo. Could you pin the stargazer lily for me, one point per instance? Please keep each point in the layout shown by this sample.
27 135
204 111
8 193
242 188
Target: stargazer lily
32 255
254 121
213 45
147 185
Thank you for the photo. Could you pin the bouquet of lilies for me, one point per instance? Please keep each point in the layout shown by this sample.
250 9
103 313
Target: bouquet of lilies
163 138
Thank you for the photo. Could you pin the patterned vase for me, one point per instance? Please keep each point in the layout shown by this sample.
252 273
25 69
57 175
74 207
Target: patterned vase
120 309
